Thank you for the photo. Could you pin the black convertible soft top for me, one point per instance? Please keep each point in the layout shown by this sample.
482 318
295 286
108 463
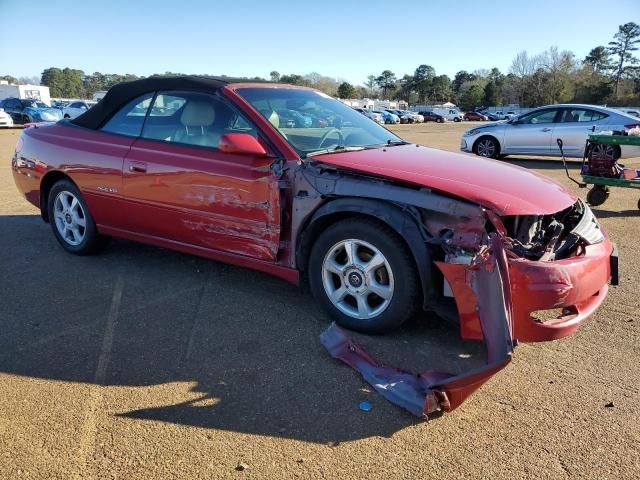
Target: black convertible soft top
122 93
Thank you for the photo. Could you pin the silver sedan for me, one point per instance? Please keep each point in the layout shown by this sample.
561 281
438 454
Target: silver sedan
536 132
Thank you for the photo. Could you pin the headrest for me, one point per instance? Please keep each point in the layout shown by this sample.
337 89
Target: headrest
274 119
197 113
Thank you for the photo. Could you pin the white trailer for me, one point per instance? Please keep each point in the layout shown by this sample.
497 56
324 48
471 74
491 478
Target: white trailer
39 92
451 114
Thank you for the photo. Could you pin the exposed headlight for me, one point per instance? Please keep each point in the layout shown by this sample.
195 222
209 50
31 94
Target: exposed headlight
471 132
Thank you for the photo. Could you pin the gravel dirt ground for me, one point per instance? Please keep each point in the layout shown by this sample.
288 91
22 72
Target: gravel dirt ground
147 363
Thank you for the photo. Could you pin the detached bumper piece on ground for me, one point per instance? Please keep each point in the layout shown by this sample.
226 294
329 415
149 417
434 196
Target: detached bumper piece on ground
431 392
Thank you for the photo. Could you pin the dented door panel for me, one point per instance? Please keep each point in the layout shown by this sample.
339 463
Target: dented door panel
203 197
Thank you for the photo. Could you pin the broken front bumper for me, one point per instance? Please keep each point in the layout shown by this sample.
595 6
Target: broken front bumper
430 391
577 286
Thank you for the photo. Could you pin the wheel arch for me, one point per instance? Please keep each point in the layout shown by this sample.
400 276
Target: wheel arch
47 182
391 215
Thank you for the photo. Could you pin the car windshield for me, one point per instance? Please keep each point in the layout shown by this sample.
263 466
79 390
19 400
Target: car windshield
312 121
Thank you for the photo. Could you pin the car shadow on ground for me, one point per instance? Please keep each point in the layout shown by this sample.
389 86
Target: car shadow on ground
573 164
247 341
600 212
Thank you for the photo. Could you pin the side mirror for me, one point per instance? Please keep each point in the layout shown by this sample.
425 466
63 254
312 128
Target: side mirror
241 144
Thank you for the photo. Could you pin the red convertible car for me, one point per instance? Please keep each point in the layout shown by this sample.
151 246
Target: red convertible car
380 227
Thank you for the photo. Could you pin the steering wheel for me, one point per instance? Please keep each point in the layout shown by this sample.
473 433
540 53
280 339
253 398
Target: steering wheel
326 136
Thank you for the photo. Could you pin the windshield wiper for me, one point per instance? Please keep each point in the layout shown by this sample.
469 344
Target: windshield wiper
396 142
336 149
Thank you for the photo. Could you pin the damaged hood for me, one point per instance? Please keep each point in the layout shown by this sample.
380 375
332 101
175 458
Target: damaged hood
505 189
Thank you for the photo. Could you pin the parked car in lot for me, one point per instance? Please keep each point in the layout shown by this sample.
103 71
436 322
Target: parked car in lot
376 117
404 117
5 119
475 116
536 132
73 109
26 110
412 117
633 113
432 117
388 117
380 227
500 115
492 116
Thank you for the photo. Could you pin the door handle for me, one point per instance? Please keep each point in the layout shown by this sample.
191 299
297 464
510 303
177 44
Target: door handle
546 129
137 167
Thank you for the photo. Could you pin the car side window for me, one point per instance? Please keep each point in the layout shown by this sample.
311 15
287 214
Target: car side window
193 118
545 116
130 118
582 115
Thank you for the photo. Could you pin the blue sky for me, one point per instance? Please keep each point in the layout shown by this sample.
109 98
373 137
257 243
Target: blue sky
344 39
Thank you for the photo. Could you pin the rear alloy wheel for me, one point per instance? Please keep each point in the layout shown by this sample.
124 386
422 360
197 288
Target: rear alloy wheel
363 275
71 222
487 147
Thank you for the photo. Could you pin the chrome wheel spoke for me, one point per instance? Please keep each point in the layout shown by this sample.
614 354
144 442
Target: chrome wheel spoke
351 249
383 291
374 263
335 267
364 310
80 221
75 233
339 294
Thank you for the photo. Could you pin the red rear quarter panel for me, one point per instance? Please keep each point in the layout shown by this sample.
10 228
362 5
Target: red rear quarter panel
93 161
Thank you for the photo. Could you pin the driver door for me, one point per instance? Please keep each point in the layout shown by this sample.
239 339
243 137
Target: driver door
181 187
531 133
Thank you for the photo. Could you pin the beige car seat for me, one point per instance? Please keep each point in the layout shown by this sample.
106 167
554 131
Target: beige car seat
197 118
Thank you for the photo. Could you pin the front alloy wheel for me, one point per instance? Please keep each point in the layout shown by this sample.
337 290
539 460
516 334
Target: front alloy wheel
357 278
486 147
363 274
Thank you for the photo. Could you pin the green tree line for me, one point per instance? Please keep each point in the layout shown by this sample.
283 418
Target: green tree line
607 75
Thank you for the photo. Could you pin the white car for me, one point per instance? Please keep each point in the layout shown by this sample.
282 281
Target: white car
5 119
414 117
536 132
77 108
376 117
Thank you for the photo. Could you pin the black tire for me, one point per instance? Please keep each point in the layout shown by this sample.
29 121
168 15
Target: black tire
482 149
440 120
66 115
456 119
92 241
597 195
406 293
